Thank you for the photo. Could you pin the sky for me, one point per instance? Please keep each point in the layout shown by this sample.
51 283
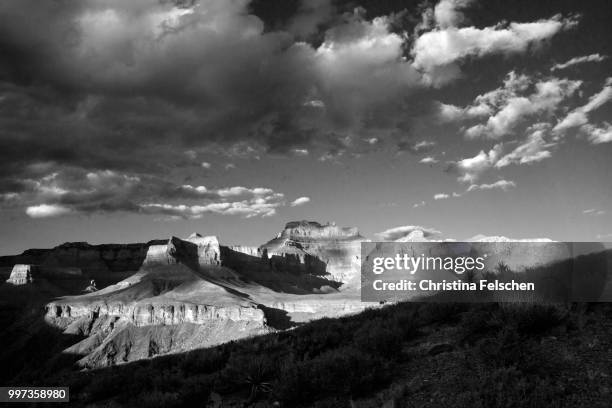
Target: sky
126 121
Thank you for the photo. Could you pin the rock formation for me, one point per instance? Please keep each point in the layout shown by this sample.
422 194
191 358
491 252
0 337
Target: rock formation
22 274
90 259
339 248
194 292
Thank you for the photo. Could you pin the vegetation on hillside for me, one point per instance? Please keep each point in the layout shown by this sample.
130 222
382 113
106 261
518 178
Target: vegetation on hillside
487 355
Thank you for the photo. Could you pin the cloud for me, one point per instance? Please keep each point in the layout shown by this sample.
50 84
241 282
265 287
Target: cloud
260 206
449 13
311 15
594 212
532 150
579 116
140 77
438 52
470 169
511 106
300 152
77 192
579 60
503 185
498 185
598 135
419 147
300 201
360 67
138 93
428 160
407 232
46 210
421 204
205 165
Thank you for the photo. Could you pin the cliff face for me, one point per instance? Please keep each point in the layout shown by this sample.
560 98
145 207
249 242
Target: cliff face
194 292
90 259
302 231
339 248
22 274
151 314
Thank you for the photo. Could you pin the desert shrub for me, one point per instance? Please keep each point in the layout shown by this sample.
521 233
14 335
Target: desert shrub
107 384
477 321
249 372
195 390
333 402
166 380
444 312
530 319
378 339
155 399
204 361
511 349
323 335
505 387
342 372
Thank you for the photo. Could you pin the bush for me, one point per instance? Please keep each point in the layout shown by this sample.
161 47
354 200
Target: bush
204 362
530 319
343 372
376 339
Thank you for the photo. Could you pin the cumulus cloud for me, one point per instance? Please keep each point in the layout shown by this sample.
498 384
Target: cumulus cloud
428 160
532 150
579 60
74 191
112 97
503 185
259 206
579 116
360 65
471 168
46 210
449 13
416 147
300 201
536 147
498 185
438 52
511 105
408 232
311 15
134 79
598 134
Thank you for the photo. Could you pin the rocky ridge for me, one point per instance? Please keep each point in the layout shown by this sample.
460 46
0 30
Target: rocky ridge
206 292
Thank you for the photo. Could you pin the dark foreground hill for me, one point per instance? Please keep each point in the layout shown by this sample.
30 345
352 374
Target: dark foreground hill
404 355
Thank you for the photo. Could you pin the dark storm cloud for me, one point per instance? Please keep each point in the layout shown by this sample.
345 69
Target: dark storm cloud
121 75
124 89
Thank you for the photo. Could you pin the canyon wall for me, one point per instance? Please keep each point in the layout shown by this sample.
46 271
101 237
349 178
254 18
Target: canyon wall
339 248
90 259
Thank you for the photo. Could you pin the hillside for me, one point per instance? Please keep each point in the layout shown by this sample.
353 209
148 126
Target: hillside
406 355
